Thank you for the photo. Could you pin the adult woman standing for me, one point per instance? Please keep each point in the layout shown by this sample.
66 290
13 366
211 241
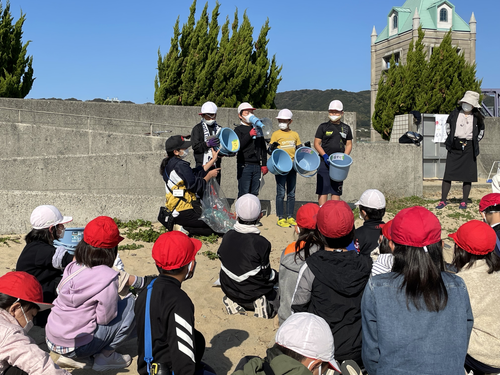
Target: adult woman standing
184 184
466 129
416 319
478 266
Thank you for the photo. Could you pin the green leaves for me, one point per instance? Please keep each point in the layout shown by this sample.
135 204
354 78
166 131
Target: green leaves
16 71
198 67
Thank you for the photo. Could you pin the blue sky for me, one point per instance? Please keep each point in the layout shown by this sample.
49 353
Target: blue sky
98 49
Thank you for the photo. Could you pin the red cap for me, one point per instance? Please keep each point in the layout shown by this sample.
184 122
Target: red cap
335 219
492 199
386 230
102 232
416 226
307 215
475 237
24 286
173 250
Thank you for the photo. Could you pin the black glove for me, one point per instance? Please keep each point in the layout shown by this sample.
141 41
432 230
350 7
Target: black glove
272 147
307 144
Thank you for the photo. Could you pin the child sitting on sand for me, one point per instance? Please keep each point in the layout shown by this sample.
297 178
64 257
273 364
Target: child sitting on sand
385 259
246 276
371 209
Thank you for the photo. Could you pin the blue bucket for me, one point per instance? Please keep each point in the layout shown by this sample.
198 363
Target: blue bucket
279 162
339 166
229 142
72 236
306 162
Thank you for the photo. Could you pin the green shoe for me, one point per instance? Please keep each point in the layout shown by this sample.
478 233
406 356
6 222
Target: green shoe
291 221
283 223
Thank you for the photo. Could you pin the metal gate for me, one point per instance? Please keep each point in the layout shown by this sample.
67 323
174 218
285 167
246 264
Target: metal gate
434 154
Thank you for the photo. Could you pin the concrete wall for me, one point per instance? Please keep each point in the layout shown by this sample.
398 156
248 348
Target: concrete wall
489 146
81 159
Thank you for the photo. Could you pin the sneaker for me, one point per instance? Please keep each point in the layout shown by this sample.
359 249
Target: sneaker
463 206
283 223
232 308
349 367
441 205
114 361
259 224
291 221
180 228
260 308
66 362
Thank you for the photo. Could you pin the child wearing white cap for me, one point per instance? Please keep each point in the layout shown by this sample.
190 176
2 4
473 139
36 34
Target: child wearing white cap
371 209
246 276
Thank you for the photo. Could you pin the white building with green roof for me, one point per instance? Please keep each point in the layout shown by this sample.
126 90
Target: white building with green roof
436 19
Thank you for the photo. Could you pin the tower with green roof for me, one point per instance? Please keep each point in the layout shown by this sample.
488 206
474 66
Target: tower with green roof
436 19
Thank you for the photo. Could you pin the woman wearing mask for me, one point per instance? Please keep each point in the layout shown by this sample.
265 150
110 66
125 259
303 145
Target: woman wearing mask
40 258
21 298
466 129
184 184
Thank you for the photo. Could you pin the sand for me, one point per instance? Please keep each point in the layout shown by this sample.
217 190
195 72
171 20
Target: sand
229 338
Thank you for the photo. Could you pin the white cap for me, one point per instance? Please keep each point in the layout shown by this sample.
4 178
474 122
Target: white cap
336 105
248 207
285 114
208 107
372 198
309 335
47 216
244 106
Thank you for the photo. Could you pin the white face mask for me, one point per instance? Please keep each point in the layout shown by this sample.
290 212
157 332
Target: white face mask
184 154
29 323
189 274
466 107
283 125
209 122
334 118
247 117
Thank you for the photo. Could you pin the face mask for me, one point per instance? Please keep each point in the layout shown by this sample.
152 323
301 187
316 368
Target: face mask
188 274
334 118
298 229
283 125
247 117
209 122
185 154
29 323
466 107
60 234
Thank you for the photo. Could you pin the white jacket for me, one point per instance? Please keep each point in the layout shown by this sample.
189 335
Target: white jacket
19 350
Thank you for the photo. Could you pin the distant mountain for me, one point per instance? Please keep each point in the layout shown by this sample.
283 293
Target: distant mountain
317 100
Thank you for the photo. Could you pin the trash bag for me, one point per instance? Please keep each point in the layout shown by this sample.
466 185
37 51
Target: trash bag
411 137
216 210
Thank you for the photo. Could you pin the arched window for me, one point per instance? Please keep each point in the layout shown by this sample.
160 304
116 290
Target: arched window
443 15
395 22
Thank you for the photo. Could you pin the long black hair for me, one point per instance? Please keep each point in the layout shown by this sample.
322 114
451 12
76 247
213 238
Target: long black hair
307 238
465 260
170 154
46 235
91 256
421 271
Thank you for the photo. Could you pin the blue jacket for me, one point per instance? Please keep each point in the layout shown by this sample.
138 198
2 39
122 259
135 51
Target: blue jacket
401 340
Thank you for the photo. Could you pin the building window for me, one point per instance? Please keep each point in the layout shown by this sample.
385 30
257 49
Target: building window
387 60
395 22
443 15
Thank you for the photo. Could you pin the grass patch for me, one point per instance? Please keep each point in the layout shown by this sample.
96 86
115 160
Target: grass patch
3 241
145 235
132 224
210 255
394 205
208 239
461 215
131 246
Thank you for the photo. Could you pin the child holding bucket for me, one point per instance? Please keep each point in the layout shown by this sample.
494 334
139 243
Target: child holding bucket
331 137
287 140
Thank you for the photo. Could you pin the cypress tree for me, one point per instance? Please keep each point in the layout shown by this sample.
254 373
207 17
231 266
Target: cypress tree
16 73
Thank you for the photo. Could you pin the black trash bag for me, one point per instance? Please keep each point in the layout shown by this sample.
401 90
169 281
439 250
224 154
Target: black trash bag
411 137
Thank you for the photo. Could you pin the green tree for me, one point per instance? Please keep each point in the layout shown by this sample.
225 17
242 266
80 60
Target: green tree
16 72
228 72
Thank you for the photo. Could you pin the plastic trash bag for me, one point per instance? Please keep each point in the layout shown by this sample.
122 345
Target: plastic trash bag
216 210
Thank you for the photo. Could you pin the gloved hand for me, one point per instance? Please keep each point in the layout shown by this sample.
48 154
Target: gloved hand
213 141
307 144
325 158
253 132
264 170
272 147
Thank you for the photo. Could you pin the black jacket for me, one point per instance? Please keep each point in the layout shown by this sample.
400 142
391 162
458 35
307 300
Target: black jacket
477 130
246 273
331 285
252 151
199 144
172 328
36 259
367 236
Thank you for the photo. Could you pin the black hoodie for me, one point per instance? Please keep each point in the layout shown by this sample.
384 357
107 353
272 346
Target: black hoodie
331 285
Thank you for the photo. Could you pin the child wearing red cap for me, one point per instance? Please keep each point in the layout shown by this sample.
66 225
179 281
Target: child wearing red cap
88 319
295 255
331 282
416 319
478 266
177 347
21 298
489 206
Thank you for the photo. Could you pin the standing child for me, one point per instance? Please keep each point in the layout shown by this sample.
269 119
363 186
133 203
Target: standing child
21 298
295 255
371 209
176 346
88 319
287 140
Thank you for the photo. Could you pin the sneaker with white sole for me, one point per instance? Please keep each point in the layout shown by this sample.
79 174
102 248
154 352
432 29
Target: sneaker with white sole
81 363
260 308
114 361
232 308
349 367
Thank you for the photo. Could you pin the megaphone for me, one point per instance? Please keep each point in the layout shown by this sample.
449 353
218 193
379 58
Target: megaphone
229 142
